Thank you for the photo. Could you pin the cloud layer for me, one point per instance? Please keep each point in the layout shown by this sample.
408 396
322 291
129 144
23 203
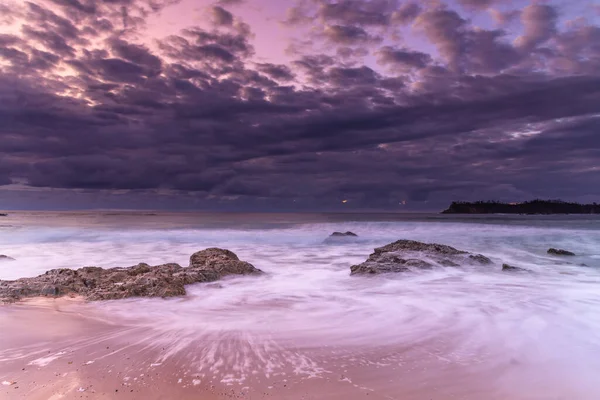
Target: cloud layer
377 102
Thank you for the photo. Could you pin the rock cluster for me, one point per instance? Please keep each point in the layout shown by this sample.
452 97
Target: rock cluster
408 255
142 280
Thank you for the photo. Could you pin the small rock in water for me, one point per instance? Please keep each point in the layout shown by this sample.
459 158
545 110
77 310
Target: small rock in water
6 258
510 268
348 233
409 255
338 237
560 252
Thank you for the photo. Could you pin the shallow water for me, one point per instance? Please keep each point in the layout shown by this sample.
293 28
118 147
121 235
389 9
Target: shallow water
536 334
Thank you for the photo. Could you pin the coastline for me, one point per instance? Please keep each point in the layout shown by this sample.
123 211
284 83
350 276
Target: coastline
307 329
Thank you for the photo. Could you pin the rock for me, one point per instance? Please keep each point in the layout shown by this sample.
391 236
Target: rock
480 258
141 280
339 237
6 258
560 252
510 268
408 255
345 234
222 262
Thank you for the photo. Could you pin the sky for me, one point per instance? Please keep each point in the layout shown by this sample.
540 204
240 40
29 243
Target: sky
298 105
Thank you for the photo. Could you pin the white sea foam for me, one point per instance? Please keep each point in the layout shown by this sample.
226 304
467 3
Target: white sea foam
43 361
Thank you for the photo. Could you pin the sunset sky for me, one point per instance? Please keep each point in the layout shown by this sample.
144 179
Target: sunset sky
297 105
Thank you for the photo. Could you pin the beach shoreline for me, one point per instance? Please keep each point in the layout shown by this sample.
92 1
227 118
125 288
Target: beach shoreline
63 349
307 328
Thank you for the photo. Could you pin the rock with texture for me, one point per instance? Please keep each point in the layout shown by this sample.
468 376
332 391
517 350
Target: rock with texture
560 252
410 255
142 280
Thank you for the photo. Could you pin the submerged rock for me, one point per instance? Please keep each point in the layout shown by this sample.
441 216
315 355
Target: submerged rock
337 237
408 255
560 252
142 280
510 268
6 258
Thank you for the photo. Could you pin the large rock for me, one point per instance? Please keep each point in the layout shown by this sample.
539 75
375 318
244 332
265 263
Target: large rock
141 280
560 252
221 262
409 255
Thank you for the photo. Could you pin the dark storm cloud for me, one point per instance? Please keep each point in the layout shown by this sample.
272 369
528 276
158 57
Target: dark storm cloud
504 17
372 13
230 2
477 4
221 16
365 14
539 21
347 34
403 58
406 13
51 40
279 72
234 43
196 114
136 54
85 7
464 48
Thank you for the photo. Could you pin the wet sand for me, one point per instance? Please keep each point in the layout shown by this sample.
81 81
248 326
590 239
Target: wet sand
52 350
61 349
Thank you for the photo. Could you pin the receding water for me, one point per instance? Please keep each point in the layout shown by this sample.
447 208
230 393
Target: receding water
538 331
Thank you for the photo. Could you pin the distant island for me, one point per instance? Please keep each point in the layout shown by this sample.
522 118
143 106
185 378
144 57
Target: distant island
528 207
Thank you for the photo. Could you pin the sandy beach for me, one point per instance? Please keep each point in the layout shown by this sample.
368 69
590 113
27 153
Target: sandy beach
60 349
54 349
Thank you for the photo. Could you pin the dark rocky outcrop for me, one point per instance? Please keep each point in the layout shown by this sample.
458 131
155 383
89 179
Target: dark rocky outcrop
528 207
408 255
6 258
340 237
560 252
510 268
142 280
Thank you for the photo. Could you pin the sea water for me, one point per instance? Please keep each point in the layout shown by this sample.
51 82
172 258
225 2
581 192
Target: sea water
536 331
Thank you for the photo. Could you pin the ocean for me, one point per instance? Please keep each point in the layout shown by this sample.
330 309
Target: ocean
529 335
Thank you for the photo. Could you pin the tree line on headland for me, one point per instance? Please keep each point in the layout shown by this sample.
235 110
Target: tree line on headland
529 207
